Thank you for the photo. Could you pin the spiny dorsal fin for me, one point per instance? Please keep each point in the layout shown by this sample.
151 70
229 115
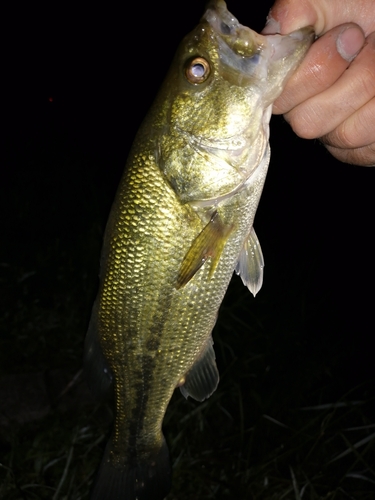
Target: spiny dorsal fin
202 379
251 263
209 243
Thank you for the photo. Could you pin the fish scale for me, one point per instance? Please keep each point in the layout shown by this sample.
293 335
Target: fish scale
181 223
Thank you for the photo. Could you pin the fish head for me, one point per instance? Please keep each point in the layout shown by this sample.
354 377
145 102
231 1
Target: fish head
217 101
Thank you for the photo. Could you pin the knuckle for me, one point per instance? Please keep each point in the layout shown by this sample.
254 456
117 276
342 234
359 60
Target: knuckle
305 121
364 157
366 80
346 136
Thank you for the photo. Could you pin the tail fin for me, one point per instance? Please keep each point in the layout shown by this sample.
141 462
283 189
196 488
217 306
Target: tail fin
149 480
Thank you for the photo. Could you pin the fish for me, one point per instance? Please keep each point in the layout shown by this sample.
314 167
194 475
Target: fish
180 225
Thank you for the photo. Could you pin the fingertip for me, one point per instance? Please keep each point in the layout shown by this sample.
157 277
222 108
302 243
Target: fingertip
350 41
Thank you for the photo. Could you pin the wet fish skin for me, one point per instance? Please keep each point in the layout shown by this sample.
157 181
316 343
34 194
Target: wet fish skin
180 225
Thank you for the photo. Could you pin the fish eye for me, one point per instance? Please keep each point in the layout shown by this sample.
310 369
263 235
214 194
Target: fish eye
197 70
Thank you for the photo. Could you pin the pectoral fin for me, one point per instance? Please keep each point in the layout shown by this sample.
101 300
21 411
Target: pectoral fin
209 243
201 381
251 263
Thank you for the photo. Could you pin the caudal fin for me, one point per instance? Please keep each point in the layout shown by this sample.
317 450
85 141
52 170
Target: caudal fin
149 480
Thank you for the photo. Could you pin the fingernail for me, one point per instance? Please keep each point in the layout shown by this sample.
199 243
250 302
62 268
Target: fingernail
349 43
271 27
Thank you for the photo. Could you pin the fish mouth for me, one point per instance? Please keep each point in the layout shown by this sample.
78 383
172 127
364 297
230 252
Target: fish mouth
249 55
245 42
240 47
242 40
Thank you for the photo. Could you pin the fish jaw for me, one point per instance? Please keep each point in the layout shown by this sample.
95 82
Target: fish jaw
215 132
268 59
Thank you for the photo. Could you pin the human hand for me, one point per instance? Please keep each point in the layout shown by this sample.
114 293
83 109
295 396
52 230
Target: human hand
332 94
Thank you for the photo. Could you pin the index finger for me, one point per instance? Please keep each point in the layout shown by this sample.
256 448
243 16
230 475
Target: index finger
286 16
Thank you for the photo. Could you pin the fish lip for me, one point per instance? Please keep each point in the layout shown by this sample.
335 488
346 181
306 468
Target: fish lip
284 45
300 34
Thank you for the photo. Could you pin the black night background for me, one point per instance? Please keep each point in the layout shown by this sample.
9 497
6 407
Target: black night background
293 416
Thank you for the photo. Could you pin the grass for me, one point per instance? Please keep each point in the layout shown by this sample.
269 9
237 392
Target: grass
292 418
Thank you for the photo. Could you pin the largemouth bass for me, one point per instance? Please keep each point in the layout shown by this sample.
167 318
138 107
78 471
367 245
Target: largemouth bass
181 223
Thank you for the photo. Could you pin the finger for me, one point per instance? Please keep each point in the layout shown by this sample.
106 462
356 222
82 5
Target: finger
324 112
356 131
364 156
288 15
359 128
326 60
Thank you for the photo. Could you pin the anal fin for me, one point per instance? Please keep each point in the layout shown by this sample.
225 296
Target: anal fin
251 263
203 378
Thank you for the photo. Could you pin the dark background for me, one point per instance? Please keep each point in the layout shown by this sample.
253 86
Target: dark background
77 83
